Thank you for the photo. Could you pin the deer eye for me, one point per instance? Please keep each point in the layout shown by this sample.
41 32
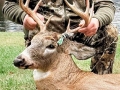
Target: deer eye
50 46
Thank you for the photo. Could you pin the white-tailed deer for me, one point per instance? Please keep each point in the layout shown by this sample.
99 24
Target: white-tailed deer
53 66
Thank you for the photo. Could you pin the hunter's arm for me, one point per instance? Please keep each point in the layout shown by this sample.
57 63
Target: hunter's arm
104 11
13 12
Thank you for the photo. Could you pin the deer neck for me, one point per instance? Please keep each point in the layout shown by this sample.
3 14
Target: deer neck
64 62
61 67
62 73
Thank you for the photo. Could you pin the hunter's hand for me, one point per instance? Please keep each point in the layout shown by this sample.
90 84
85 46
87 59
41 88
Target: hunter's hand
29 23
91 29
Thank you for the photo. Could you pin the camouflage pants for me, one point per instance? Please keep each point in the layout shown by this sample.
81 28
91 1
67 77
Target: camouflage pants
105 42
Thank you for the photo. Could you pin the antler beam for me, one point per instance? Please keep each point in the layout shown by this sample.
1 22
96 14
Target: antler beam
32 13
84 15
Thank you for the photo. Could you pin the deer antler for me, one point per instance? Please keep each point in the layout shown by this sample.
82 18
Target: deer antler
85 15
32 13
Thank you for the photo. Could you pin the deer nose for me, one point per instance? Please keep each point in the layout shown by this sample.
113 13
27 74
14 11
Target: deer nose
18 62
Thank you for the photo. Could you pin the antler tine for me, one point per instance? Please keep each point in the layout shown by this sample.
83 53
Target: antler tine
87 11
46 24
83 15
37 6
27 3
73 30
92 11
32 13
87 7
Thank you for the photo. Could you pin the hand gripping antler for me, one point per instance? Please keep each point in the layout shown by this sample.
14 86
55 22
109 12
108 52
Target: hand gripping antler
84 15
32 13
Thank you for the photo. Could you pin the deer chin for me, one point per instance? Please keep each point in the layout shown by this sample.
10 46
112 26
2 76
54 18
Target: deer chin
26 66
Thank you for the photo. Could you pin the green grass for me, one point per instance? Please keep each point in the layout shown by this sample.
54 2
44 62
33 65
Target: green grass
12 78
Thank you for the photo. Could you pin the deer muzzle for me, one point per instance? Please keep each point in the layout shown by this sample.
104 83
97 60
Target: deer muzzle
20 62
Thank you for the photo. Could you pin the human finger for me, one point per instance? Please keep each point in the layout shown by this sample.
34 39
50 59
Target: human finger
91 32
29 23
29 26
82 22
82 30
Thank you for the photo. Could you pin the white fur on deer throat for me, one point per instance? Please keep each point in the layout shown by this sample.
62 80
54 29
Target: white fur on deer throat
39 74
48 51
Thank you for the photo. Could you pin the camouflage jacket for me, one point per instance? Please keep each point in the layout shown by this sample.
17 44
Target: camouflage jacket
104 12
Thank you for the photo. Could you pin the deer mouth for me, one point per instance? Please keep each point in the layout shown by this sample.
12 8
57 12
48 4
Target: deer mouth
27 66
22 64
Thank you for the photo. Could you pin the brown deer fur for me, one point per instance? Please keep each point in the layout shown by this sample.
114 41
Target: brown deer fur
54 68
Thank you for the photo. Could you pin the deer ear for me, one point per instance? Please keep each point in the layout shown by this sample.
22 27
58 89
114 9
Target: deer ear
81 51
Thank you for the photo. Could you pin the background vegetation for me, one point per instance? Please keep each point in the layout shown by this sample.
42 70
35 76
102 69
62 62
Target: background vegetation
12 78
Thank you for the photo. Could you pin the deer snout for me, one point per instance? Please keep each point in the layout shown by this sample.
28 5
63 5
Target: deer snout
19 61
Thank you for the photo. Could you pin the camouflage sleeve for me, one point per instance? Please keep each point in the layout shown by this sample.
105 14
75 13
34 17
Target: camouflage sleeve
13 12
104 11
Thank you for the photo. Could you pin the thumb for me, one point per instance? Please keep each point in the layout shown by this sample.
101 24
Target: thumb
82 22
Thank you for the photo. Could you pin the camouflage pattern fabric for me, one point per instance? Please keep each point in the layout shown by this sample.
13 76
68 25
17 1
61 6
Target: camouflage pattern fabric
102 62
105 42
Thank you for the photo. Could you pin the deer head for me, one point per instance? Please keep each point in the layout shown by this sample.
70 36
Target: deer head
44 48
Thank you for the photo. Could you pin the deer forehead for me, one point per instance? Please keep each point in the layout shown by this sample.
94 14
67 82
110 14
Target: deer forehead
43 38
40 45
47 35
